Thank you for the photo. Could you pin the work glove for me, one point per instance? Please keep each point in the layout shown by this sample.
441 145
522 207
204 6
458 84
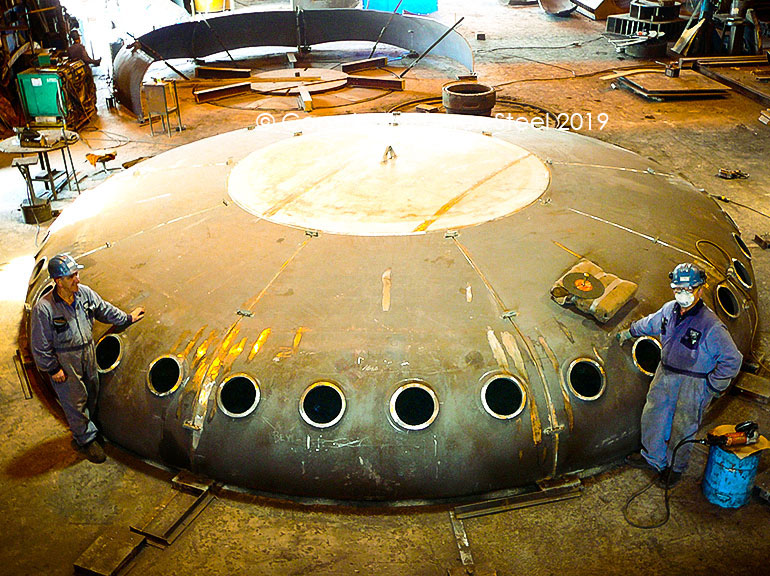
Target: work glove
623 336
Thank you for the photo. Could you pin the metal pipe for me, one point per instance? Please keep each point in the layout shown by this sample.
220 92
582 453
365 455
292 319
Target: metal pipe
431 47
385 28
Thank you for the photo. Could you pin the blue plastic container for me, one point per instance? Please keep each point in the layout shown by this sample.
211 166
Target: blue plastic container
728 480
412 6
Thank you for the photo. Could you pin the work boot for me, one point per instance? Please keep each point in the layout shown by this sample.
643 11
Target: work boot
92 451
668 477
636 460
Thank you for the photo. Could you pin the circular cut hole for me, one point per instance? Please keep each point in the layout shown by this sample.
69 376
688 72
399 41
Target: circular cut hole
414 406
322 404
164 375
646 355
37 270
108 353
238 395
586 378
744 277
742 245
503 397
728 302
46 290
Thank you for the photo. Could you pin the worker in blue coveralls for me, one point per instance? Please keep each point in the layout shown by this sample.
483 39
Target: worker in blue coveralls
698 361
63 347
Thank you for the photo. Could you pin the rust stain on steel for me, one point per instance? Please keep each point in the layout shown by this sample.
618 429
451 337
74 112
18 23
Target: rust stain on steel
254 301
386 284
513 350
192 342
497 349
460 197
562 384
259 344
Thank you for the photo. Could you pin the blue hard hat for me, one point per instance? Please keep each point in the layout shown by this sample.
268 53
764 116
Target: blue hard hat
62 265
687 276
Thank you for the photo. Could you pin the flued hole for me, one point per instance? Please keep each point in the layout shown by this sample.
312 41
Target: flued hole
322 405
728 302
414 406
238 395
164 375
586 379
108 353
503 397
646 355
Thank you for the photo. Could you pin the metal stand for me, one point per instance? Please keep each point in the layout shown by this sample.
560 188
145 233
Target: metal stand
162 100
36 210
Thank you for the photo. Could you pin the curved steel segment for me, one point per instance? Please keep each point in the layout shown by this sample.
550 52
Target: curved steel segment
201 38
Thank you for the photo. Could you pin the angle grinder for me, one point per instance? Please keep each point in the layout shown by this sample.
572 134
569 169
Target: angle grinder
745 433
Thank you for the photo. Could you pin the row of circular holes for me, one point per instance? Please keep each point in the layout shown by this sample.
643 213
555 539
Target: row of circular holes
413 406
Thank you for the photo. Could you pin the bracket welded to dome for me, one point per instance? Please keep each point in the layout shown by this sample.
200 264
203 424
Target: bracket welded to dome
201 38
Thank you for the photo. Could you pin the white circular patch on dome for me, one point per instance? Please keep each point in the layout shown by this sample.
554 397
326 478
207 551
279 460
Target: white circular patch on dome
387 180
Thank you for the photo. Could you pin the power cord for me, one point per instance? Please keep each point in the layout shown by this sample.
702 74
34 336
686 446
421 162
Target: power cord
666 492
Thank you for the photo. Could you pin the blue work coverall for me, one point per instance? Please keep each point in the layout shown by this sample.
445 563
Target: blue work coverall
61 338
698 360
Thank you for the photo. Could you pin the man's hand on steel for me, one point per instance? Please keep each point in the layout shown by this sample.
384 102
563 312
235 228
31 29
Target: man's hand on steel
623 336
59 377
137 314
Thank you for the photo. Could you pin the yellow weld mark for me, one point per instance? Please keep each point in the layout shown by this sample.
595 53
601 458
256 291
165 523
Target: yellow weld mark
513 350
289 198
234 352
563 247
192 342
286 352
565 396
192 389
298 338
263 336
537 427
497 349
204 347
213 371
386 284
179 340
457 199
253 302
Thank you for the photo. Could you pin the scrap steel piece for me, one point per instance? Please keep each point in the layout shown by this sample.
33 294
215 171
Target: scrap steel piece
198 39
358 307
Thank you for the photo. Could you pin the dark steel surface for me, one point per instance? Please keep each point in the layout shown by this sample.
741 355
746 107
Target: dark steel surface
199 39
195 259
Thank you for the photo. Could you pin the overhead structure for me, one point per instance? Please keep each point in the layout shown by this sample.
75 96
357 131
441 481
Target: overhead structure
389 307
300 30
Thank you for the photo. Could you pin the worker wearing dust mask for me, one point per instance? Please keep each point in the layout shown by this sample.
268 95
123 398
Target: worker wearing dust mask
698 361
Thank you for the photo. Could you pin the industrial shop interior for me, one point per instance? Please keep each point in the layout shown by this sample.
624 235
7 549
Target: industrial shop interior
427 287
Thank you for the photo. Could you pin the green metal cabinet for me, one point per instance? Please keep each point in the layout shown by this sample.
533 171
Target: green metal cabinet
41 94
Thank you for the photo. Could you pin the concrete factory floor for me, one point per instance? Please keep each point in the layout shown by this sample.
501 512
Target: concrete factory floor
54 504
